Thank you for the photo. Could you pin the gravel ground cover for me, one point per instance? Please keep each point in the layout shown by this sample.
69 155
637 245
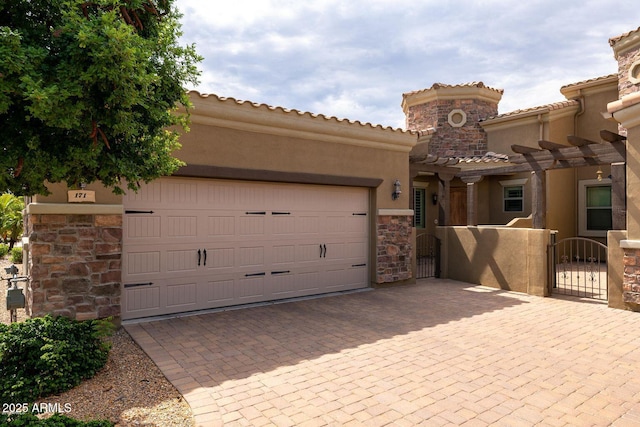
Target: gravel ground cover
129 391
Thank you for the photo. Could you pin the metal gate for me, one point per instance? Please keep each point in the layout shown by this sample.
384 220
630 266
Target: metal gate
578 267
427 256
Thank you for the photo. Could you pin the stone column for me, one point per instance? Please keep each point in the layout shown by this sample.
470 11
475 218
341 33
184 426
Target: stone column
74 260
394 251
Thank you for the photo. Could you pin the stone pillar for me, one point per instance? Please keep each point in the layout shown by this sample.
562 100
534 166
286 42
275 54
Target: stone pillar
74 260
394 250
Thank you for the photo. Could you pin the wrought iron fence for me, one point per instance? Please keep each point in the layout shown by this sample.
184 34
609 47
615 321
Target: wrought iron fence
427 256
578 267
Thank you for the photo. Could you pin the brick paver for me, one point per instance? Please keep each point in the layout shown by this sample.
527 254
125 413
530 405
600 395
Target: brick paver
436 353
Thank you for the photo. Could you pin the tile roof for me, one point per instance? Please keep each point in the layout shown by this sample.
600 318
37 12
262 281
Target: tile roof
293 112
614 40
488 157
443 85
593 80
539 109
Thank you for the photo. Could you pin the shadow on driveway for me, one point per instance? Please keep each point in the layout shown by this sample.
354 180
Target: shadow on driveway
236 344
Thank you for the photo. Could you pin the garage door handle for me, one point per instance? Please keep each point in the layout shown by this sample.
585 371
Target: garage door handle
320 250
280 272
255 274
199 255
205 256
325 251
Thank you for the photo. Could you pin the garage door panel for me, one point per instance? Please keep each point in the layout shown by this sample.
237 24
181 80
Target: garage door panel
283 224
251 226
182 226
263 241
309 282
182 296
284 285
219 258
309 252
221 194
143 262
283 254
221 225
142 227
149 194
250 257
250 288
308 224
142 299
182 260
217 293
180 193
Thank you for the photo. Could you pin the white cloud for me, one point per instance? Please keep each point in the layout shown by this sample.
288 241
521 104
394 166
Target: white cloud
355 59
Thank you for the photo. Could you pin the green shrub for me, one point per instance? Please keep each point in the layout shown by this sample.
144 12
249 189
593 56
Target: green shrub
28 419
4 250
16 255
47 355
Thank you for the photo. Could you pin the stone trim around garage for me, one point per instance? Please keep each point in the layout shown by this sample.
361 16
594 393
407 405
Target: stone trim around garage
74 260
394 250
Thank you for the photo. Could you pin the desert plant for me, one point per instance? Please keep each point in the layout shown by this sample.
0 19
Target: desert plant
47 355
16 255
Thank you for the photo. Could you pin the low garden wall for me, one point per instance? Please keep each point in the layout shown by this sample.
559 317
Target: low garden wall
513 259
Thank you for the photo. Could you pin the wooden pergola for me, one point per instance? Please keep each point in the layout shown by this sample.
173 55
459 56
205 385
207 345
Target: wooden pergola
549 156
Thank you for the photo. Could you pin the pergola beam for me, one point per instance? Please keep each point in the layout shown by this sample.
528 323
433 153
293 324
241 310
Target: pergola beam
523 149
611 136
580 142
548 145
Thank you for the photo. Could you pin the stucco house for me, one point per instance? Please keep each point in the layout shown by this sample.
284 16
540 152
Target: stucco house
276 204
272 204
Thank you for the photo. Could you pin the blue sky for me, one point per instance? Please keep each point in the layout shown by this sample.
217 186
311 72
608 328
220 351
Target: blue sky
353 59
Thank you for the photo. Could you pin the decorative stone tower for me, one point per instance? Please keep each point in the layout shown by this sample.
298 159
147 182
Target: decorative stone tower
626 110
626 49
449 116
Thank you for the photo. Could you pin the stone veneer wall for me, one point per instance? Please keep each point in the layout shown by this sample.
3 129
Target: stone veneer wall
74 264
625 61
631 283
468 140
393 250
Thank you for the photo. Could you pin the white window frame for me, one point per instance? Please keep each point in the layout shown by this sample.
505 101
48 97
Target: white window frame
582 206
513 183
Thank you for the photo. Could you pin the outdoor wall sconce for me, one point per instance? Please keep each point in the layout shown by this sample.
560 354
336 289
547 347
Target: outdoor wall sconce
599 173
396 190
434 198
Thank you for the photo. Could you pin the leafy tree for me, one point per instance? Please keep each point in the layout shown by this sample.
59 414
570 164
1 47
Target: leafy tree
11 223
91 90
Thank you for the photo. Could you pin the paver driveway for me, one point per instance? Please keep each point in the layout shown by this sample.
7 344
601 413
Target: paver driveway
436 353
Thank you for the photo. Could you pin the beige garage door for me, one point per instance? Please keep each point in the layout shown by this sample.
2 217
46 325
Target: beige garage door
193 244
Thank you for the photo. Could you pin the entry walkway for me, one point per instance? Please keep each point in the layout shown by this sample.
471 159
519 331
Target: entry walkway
435 353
